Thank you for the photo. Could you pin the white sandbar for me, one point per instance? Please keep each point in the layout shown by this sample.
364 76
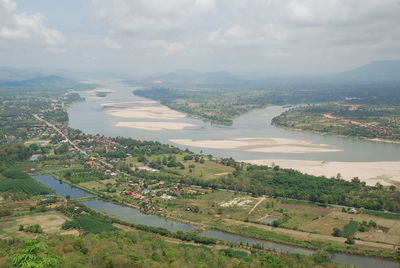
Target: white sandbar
266 145
155 125
141 109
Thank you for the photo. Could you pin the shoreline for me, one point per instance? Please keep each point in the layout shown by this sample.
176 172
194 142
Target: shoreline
336 135
386 172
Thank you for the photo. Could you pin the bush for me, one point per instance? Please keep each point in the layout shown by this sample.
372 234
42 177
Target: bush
321 256
5 212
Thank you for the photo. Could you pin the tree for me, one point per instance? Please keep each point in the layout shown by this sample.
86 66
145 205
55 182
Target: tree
336 232
350 240
34 254
62 149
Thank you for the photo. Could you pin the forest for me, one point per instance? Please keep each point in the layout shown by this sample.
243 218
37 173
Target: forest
346 119
139 249
222 102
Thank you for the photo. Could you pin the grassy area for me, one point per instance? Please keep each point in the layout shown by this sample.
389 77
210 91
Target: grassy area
50 222
208 170
247 229
382 214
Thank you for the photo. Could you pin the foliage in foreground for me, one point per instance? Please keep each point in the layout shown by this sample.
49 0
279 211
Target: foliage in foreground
138 249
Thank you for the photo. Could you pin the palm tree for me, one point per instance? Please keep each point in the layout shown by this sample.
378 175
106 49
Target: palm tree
34 254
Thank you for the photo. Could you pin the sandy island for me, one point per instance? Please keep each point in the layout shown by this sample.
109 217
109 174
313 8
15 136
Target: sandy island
265 145
155 125
141 109
386 172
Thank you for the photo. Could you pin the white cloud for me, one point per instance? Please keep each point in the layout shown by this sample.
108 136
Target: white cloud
152 20
168 47
111 44
23 26
290 35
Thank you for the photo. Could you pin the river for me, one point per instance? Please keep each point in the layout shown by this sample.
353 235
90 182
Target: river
89 117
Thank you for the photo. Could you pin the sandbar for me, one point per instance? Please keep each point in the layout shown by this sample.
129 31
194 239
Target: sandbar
257 144
100 90
155 125
126 104
141 109
385 172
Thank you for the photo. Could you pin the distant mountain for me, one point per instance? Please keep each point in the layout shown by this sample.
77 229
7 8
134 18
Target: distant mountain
388 70
10 74
190 78
190 75
38 81
32 80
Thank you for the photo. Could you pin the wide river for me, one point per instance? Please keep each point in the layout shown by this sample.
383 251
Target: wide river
89 117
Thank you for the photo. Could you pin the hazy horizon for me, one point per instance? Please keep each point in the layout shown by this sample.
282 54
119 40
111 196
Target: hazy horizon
144 37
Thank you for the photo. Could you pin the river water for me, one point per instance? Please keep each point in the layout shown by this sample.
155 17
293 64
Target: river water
88 117
61 188
135 216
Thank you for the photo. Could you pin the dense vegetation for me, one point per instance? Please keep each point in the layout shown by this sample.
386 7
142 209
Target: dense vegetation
288 183
221 106
19 185
14 182
89 223
355 120
219 102
137 249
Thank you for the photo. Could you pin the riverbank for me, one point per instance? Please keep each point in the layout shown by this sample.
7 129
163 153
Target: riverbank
374 122
386 172
335 135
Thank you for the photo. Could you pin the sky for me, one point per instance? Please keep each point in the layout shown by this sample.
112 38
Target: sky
146 36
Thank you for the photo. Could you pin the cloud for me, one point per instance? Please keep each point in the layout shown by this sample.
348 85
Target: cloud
23 26
286 35
138 21
147 17
111 44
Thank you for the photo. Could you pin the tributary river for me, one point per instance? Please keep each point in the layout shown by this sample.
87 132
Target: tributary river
133 215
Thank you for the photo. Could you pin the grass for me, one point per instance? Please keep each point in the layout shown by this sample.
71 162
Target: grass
382 214
93 185
49 221
208 170
323 225
209 207
252 231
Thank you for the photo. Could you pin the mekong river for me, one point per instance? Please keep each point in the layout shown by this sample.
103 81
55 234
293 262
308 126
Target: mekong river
89 117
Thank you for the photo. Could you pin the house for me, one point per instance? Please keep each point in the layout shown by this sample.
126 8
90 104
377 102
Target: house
166 197
352 211
136 196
